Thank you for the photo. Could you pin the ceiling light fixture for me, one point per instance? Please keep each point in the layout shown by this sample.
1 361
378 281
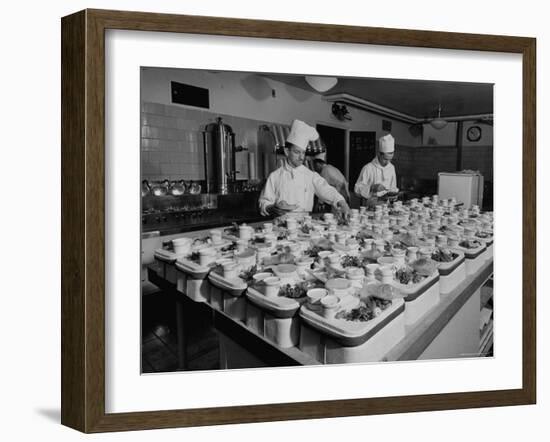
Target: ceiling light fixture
321 84
438 123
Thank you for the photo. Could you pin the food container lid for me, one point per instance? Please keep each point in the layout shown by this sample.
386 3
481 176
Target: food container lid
261 276
338 284
284 268
316 294
207 251
330 301
272 280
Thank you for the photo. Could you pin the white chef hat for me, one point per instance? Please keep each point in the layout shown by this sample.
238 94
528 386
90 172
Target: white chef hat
386 144
321 156
301 134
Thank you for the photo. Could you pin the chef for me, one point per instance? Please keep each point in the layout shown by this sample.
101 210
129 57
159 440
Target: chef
292 186
330 173
378 177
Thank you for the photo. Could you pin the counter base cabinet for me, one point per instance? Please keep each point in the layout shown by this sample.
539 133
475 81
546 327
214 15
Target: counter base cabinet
285 332
486 322
372 350
460 337
234 355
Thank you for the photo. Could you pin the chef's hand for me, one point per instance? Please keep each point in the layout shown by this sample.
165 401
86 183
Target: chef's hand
343 209
281 207
377 188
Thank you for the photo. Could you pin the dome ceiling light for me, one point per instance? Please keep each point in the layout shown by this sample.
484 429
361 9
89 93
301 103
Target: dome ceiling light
321 84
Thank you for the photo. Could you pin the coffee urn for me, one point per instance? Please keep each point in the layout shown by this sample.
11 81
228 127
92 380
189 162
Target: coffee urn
219 157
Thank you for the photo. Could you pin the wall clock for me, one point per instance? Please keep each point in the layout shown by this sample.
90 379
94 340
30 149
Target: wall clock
473 133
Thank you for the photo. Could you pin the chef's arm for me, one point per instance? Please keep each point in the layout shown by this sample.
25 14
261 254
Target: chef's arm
364 183
267 198
325 192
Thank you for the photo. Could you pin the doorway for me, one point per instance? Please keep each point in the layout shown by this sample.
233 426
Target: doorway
335 140
362 148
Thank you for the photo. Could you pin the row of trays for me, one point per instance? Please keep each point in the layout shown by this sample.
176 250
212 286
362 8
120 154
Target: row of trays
290 322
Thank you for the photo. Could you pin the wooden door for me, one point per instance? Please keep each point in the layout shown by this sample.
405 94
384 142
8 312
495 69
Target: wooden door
362 148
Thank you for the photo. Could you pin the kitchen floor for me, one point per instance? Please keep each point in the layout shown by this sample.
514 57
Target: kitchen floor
159 336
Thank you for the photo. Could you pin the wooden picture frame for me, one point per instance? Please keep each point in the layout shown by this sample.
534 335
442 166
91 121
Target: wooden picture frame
83 220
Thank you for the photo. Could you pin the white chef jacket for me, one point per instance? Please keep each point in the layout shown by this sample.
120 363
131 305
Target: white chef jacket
296 185
374 173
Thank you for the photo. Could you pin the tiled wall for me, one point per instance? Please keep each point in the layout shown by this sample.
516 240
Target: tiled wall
172 147
172 141
425 162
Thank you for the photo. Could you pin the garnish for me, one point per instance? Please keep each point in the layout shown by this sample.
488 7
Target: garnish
406 275
247 275
443 255
294 292
366 311
351 261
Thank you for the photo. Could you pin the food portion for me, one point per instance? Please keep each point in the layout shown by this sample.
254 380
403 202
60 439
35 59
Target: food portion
296 291
444 255
470 244
351 261
484 235
248 274
407 275
365 311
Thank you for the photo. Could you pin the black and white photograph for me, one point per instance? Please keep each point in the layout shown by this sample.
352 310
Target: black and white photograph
299 220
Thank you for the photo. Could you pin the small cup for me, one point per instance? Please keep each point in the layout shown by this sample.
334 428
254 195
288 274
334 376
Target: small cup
356 275
261 276
399 255
230 270
412 253
334 259
314 297
242 244
371 270
341 238
272 285
441 240
452 241
245 232
386 272
206 256
216 236
425 252
329 304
